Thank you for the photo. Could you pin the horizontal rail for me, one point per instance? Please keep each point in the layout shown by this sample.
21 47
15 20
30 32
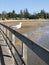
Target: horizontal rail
21 37
41 52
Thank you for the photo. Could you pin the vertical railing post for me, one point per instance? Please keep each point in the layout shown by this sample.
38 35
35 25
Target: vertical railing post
25 51
10 38
5 31
13 41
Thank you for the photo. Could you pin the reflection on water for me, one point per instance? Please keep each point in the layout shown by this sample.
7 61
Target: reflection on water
40 36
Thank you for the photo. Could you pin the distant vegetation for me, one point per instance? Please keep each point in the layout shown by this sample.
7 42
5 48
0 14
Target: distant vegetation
24 15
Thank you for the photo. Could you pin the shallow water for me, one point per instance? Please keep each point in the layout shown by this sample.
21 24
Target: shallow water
40 36
43 39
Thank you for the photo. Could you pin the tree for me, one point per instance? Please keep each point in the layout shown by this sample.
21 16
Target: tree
26 13
42 14
47 15
4 15
21 14
9 15
13 14
0 16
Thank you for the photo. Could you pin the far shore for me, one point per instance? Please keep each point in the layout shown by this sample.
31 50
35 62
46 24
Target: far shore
31 20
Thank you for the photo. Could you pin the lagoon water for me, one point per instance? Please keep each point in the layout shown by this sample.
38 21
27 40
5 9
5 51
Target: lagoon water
43 39
40 36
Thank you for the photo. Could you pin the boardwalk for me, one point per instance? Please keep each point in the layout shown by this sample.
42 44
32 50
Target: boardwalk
5 57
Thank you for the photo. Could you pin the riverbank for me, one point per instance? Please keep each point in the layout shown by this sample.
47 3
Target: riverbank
31 20
27 25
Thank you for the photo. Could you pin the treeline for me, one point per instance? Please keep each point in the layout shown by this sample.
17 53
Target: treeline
24 15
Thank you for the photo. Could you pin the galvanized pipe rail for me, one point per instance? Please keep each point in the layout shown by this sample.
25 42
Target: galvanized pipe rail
38 50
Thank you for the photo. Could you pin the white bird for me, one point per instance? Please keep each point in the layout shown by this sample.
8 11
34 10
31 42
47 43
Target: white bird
17 26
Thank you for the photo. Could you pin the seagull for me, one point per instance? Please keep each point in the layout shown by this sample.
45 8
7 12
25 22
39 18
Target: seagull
17 26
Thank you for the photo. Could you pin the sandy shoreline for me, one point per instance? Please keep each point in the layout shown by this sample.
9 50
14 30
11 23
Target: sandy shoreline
32 20
27 25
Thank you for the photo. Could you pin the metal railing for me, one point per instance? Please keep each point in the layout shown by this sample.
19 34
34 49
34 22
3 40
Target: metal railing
19 60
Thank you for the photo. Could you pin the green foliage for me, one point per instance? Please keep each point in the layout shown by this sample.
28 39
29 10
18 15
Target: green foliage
24 14
4 15
21 14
